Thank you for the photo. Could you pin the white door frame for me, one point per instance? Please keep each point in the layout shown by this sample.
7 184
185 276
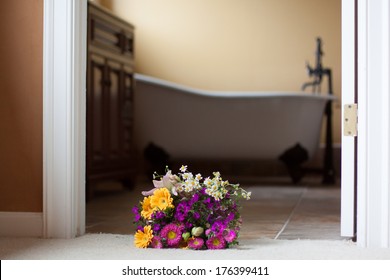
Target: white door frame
348 182
373 177
64 117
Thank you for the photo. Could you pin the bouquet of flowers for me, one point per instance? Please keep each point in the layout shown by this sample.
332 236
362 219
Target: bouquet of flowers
187 211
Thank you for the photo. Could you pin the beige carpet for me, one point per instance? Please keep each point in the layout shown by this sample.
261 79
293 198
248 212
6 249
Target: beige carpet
280 223
120 247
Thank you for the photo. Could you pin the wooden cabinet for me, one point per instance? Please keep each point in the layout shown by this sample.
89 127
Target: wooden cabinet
110 86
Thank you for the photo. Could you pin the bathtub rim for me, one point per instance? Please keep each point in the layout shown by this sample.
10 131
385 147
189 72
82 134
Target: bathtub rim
227 94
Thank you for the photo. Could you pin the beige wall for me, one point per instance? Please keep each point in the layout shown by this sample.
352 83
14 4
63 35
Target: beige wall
210 44
235 44
21 105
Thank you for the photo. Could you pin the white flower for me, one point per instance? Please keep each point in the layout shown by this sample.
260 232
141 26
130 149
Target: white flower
208 182
188 176
183 168
197 185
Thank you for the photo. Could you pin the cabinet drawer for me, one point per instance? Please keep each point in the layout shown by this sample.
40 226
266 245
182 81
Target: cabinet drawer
110 33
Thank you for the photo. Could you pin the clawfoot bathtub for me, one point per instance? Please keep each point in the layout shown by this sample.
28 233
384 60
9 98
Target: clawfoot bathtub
190 123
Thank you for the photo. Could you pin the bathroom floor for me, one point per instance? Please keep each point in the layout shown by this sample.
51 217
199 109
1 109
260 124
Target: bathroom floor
276 210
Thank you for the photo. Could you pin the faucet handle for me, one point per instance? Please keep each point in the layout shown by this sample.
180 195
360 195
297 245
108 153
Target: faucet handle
309 69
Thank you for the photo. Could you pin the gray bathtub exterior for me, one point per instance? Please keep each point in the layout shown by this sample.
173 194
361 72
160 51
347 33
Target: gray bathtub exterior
191 123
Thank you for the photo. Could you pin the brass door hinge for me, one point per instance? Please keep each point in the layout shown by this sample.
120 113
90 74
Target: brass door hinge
350 120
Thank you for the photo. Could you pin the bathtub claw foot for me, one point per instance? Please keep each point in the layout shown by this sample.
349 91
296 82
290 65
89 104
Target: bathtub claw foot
293 158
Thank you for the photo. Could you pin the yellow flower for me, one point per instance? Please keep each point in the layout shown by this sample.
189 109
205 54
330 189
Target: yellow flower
161 199
147 209
142 239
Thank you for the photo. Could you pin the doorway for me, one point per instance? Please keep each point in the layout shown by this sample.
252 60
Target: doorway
310 55
66 189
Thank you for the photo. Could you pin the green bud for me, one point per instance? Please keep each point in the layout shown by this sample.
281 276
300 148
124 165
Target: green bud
186 235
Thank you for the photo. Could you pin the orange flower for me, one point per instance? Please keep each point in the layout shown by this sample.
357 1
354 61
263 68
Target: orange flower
142 239
161 199
147 209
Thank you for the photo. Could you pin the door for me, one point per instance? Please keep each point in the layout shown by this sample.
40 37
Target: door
366 158
349 140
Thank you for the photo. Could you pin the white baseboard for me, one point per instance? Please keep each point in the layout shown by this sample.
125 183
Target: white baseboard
21 224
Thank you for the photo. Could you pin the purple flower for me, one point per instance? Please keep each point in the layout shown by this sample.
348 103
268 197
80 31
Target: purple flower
207 202
158 215
230 217
135 211
195 243
216 242
188 225
182 211
217 205
141 228
181 227
172 234
156 242
230 235
195 198
218 227
156 227
196 215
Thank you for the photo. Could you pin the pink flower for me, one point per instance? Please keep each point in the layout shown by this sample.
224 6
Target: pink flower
195 243
230 235
172 234
216 242
156 242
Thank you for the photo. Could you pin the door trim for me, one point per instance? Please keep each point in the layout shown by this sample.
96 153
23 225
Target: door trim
373 178
348 183
64 115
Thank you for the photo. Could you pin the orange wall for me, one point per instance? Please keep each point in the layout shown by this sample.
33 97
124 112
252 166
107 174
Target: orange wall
235 44
21 30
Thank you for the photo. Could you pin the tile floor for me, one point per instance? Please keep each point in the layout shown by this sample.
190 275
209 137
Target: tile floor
277 209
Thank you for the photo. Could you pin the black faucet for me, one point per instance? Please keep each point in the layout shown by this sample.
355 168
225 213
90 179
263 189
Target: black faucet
318 71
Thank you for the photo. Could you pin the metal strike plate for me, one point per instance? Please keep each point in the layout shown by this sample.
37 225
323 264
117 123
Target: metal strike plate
350 120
